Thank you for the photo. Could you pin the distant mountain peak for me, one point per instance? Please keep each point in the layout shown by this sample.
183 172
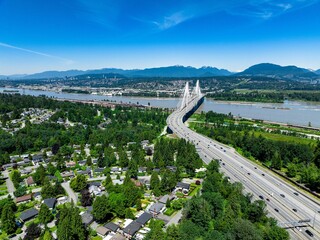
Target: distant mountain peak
274 70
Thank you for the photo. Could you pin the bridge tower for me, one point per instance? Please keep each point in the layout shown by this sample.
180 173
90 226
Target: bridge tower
186 96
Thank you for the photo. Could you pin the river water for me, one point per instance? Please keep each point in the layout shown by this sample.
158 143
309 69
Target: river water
292 112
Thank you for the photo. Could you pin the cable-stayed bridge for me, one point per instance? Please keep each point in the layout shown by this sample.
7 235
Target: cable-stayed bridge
293 209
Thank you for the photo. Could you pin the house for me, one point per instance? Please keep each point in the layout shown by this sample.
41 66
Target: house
94 190
137 183
99 171
87 218
28 214
142 169
115 170
25 171
62 200
156 208
172 168
50 202
37 196
112 227
85 172
144 218
102 231
165 198
82 162
183 187
29 181
67 174
70 164
25 198
131 229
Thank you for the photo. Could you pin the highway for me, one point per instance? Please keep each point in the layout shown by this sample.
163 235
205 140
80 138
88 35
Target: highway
285 202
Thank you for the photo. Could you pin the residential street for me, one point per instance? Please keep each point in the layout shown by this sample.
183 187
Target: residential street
72 195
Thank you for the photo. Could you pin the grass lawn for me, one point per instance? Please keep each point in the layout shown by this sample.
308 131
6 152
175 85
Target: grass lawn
195 190
96 238
284 138
169 211
3 189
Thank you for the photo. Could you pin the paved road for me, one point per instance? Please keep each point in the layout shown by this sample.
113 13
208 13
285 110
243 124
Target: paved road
72 195
9 183
282 197
175 219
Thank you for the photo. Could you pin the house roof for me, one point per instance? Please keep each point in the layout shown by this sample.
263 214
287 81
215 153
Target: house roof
156 207
87 218
144 218
99 170
24 198
164 198
132 228
50 202
28 214
30 181
112 226
102 230
98 184
183 185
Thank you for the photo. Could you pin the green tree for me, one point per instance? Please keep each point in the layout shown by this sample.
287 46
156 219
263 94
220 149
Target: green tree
101 208
78 183
129 214
47 236
172 233
33 232
154 181
16 178
39 175
117 203
86 199
70 224
45 216
138 204
47 190
108 182
20 191
198 211
156 231
244 229
8 223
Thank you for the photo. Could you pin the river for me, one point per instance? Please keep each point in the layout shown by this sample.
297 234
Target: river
292 112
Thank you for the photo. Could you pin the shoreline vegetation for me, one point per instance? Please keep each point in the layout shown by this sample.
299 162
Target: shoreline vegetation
292 151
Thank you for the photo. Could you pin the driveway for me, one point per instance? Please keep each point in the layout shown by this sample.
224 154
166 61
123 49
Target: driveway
175 219
9 183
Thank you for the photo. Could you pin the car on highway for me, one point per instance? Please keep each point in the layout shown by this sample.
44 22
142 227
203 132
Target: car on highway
249 173
276 209
262 174
295 193
261 197
268 199
282 195
309 233
295 210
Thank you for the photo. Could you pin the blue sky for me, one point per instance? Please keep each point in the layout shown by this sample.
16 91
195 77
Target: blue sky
39 35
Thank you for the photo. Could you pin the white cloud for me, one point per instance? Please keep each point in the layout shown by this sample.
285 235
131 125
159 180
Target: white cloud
172 20
66 61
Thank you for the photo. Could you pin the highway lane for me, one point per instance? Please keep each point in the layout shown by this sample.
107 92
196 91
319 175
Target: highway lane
260 182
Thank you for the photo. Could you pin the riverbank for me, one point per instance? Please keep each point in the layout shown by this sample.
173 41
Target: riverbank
295 113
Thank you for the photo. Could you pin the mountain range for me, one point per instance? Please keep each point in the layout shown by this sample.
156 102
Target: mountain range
273 70
262 69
